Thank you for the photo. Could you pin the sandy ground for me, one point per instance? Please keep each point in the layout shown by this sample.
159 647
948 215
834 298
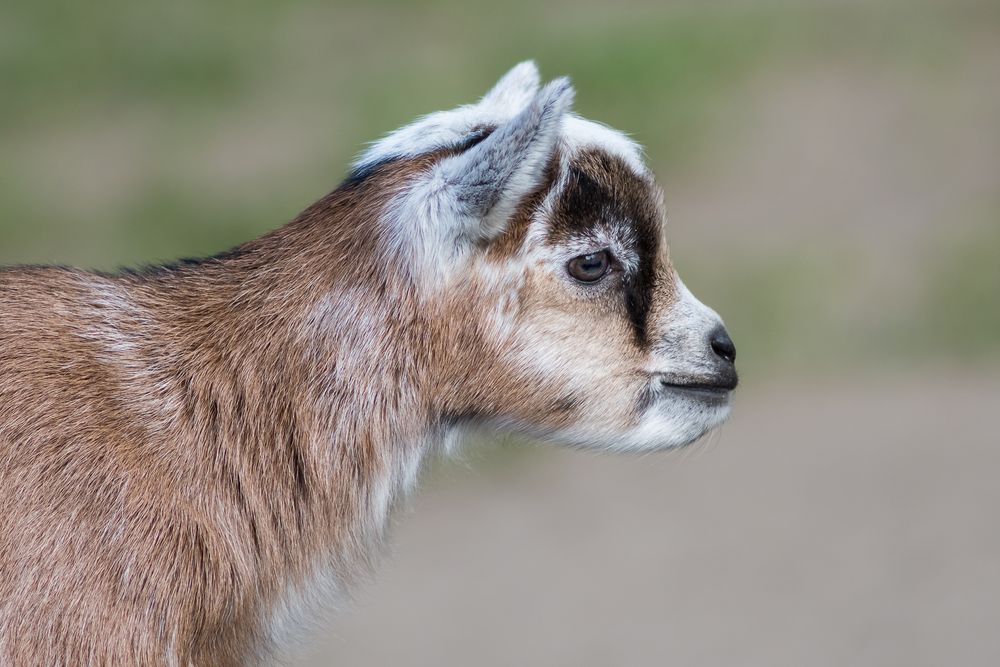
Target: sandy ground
846 524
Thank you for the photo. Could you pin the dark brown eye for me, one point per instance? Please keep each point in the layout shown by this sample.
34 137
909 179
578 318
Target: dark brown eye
589 268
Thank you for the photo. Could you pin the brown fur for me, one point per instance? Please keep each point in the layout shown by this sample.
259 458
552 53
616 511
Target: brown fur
176 446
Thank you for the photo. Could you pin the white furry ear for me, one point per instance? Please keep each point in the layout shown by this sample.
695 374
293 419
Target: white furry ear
486 182
514 89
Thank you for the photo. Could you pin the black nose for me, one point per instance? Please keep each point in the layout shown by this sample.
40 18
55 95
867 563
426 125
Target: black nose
722 344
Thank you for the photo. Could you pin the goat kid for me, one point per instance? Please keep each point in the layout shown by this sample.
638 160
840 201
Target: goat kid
194 457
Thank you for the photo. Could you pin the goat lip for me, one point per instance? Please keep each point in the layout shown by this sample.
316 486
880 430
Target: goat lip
702 390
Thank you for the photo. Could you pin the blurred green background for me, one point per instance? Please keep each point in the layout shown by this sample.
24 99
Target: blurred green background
832 172
139 132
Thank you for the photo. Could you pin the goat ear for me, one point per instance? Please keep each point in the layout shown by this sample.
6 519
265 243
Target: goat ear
487 181
514 89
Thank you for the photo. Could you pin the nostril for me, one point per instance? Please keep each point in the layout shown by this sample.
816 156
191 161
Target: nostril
723 345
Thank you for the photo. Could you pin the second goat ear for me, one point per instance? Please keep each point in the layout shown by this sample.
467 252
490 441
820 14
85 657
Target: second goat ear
486 182
513 91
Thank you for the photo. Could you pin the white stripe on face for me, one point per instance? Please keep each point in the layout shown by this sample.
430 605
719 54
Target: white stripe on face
681 346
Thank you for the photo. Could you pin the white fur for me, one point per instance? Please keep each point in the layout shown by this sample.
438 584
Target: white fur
682 350
579 134
670 423
300 609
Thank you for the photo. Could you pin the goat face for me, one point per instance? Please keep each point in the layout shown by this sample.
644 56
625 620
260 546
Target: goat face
537 240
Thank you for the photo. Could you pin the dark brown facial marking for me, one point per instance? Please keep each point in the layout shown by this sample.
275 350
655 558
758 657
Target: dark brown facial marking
603 191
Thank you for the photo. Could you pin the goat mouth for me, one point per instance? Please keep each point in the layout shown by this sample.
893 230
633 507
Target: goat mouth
704 391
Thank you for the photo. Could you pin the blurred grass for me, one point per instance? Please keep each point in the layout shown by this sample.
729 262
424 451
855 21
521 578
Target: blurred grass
961 301
137 132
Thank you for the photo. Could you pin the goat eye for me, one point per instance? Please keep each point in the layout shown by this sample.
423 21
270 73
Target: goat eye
589 268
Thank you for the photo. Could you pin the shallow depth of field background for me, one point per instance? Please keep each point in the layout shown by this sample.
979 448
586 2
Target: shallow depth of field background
832 172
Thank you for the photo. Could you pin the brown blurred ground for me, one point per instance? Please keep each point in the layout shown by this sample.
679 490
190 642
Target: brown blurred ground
844 524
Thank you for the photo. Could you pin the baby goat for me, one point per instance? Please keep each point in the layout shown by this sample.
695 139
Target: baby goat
193 457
